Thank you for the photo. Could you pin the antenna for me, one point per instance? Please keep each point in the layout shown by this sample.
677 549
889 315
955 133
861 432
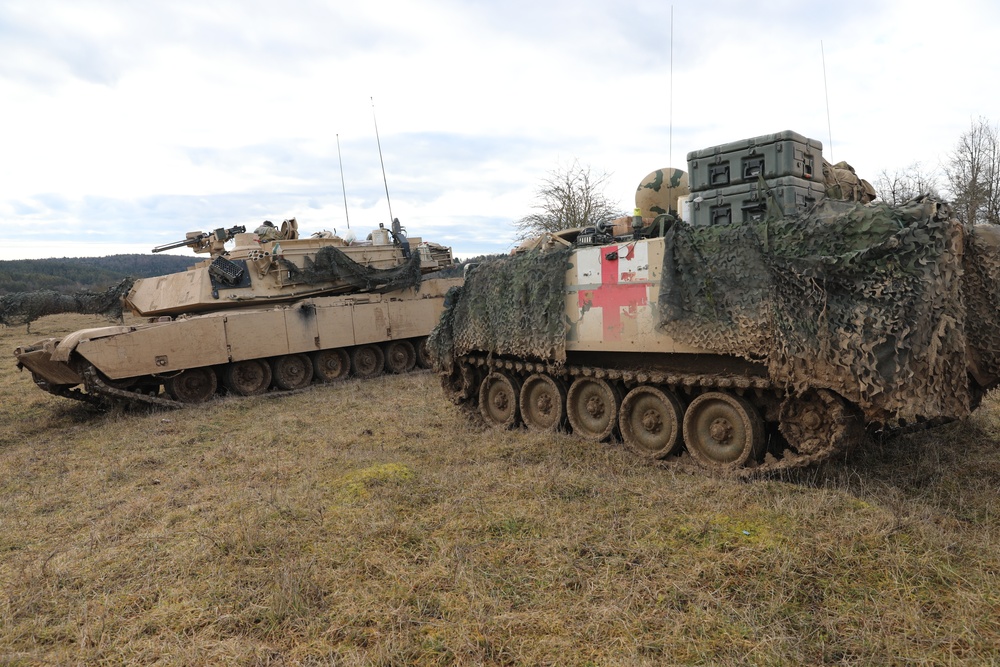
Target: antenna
670 140
342 186
826 92
384 180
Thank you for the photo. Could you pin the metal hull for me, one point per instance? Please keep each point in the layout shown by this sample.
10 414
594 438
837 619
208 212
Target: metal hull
154 351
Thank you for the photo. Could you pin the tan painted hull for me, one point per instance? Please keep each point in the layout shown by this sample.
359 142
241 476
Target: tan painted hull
259 332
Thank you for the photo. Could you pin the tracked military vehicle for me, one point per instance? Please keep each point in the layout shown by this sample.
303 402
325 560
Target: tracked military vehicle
763 321
274 311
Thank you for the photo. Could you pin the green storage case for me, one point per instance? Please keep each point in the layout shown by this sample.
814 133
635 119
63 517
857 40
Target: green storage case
747 203
771 155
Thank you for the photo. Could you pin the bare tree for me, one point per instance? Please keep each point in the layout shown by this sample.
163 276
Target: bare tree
974 174
569 197
903 185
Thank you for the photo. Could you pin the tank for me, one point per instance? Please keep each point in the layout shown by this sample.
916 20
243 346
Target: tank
773 337
275 311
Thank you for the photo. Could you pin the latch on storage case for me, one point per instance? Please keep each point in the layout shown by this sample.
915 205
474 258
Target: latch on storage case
718 174
753 166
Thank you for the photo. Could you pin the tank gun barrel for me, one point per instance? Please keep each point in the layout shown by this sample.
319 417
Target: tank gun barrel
191 240
203 241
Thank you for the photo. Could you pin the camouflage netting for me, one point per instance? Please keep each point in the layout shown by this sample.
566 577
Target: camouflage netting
26 307
332 264
864 300
509 306
981 289
889 307
441 342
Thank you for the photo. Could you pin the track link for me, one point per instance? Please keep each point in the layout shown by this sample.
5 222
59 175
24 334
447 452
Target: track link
817 425
97 389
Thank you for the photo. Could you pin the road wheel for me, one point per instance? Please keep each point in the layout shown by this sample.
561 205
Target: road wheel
423 354
330 365
543 403
723 431
400 357
247 378
194 385
650 421
498 397
592 408
367 361
292 371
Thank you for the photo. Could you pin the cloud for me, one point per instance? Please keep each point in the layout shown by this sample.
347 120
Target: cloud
147 120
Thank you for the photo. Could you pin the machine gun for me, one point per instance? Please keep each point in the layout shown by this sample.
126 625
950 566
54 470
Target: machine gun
212 242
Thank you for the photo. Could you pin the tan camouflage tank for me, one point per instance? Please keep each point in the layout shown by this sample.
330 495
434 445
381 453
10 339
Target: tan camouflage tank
276 311
767 341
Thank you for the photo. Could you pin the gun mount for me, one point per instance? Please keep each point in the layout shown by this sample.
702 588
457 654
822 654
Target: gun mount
201 242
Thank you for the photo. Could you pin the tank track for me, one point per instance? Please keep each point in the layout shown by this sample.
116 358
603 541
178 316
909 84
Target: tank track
99 391
816 426
70 393
94 388
102 395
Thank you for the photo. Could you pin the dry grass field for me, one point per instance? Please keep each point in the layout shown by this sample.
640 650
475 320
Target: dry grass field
368 523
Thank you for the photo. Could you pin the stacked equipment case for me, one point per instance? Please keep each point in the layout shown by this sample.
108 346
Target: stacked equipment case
725 185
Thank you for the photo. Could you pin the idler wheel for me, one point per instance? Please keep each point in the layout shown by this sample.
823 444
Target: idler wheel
194 385
292 371
723 431
592 408
400 357
819 423
498 400
650 422
330 365
367 361
543 403
247 378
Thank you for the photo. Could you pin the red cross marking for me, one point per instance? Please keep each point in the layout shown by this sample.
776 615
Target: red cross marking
612 296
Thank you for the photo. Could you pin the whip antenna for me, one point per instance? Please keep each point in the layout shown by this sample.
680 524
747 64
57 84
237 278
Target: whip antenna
342 186
826 92
670 135
384 180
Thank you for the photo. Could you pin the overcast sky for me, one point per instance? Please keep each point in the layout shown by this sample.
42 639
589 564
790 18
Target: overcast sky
126 124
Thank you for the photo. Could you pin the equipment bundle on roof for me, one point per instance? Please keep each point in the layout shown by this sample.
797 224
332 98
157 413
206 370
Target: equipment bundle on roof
725 179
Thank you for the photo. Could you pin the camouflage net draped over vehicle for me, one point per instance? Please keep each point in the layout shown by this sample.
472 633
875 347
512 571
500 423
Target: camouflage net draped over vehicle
863 300
332 264
26 307
981 289
511 306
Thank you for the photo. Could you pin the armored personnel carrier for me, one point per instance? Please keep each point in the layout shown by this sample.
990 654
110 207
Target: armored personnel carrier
761 322
275 311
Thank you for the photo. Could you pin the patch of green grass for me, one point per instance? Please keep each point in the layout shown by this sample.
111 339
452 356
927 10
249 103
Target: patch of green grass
359 484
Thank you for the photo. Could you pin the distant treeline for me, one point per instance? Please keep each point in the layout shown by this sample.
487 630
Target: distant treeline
78 274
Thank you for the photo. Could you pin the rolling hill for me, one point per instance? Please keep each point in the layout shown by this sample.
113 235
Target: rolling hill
76 274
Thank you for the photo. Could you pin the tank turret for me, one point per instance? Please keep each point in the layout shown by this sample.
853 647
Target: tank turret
272 265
